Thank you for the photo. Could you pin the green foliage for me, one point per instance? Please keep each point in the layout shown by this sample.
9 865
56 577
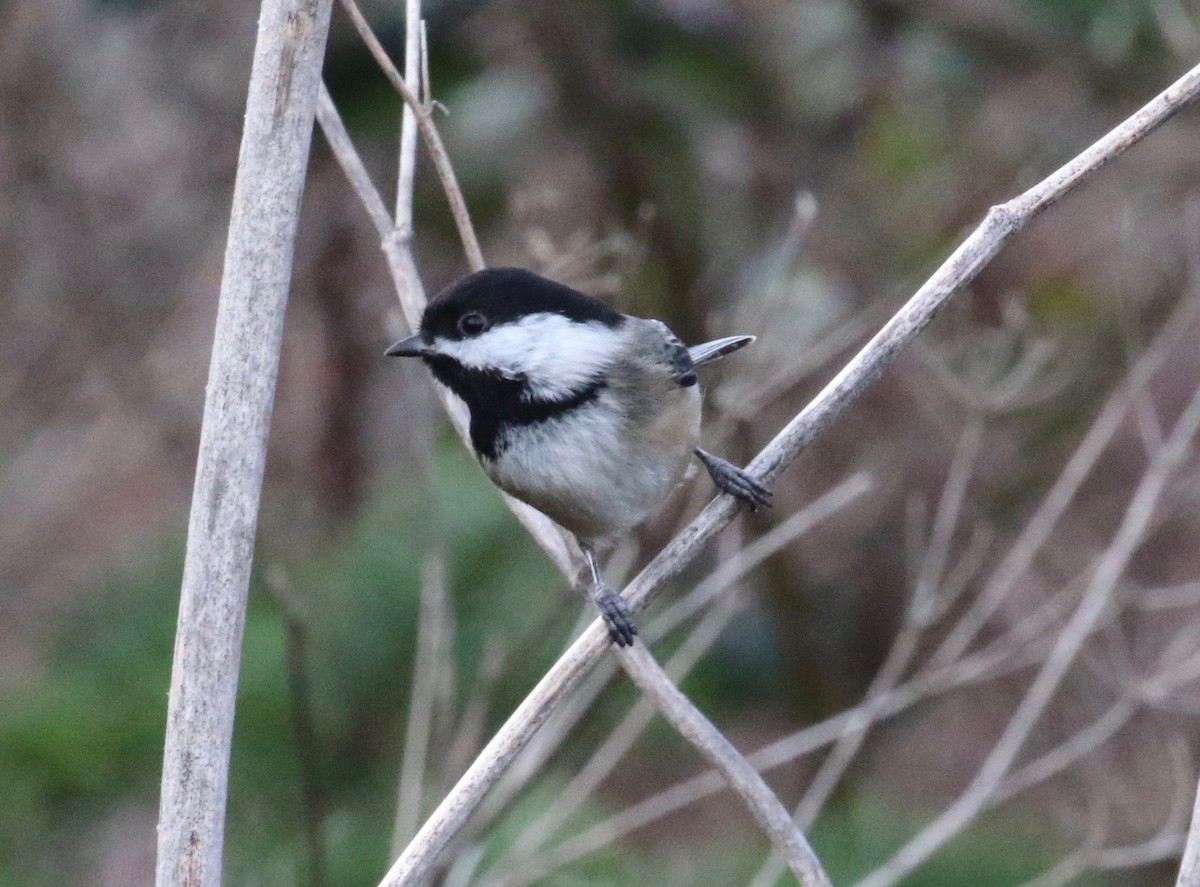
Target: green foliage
1064 304
90 731
898 145
852 839
1115 29
743 667
1083 13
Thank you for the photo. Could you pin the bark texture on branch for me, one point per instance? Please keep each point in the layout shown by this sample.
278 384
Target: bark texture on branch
241 388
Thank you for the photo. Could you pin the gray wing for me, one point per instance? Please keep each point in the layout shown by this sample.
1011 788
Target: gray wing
672 353
717 348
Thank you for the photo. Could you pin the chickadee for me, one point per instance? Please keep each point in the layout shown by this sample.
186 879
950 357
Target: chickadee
588 415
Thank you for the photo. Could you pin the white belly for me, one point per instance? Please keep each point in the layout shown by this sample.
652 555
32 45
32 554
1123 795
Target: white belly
594 471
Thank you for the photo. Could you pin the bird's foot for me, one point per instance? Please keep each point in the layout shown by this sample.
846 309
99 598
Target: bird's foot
617 616
735 481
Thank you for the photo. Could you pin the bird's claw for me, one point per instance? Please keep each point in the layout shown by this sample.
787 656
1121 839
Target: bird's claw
621 627
737 482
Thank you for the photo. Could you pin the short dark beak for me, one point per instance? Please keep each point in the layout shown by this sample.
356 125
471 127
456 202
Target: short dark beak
413 346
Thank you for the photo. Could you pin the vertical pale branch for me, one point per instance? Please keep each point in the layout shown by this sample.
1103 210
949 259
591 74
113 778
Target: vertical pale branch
408 122
431 637
433 575
233 438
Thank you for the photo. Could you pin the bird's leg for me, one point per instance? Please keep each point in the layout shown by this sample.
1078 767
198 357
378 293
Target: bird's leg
621 627
735 481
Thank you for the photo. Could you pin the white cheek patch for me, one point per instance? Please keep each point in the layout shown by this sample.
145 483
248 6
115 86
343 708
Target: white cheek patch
558 357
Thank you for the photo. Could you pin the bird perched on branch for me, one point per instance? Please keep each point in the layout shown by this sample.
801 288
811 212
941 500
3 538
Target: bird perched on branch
588 415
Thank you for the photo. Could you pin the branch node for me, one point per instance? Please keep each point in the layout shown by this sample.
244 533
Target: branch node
400 236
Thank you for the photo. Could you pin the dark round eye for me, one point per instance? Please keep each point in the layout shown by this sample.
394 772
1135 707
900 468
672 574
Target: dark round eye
472 324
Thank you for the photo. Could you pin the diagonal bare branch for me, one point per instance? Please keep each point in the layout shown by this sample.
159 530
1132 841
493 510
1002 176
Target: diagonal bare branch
770 814
729 571
1000 223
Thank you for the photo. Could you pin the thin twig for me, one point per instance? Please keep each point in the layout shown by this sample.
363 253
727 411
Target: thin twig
962 267
468 731
1109 568
1169 597
932 572
433 572
426 83
748 399
969 563
304 730
431 636
1038 529
1158 849
408 122
429 132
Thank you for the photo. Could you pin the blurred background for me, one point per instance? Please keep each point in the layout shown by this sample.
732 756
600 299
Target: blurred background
787 168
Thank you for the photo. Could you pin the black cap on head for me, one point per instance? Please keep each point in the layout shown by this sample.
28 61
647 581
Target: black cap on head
503 295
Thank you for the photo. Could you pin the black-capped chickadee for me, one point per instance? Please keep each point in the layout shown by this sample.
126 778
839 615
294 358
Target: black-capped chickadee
588 415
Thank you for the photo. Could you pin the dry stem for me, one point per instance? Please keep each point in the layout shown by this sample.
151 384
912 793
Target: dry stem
738 773
431 636
233 438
